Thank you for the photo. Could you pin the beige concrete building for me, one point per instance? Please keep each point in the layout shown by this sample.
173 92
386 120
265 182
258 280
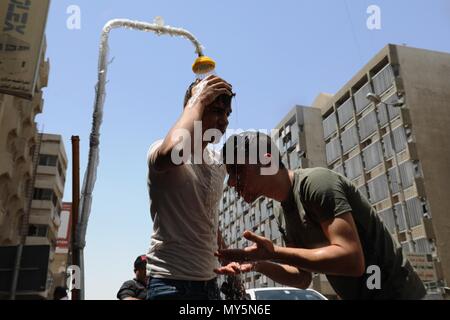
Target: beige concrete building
358 144
357 137
46 205
18 138
22 149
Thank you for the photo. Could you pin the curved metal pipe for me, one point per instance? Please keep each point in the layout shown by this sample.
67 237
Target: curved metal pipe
97 117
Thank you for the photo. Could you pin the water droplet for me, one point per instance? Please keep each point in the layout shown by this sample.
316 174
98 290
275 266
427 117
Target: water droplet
159 21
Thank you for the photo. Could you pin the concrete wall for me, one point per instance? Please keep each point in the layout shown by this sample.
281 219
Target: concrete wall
426 80
18 136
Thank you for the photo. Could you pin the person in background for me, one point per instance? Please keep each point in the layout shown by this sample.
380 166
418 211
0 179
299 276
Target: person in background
136 289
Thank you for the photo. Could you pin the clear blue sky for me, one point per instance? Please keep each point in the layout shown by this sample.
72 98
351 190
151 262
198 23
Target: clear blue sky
275 53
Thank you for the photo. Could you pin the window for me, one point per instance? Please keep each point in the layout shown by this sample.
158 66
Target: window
423 246
42 194
333 150
383 80
349 139
363 191
60 171
329 125
353 167
37 231
399 140
295 133
345 112
387 216
339 169
270 211
401 222
378 189
415 211
361 101
367 125
48 160
263 208
393 111
373 155
405 247
275 231
294 161
407 175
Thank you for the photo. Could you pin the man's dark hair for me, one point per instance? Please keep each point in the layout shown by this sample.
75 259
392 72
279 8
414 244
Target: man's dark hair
244 144
140 262
224 97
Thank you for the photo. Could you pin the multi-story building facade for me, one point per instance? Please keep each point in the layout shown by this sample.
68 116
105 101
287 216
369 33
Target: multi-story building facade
374 143
46 207
300 140
20 148
18 140
357 138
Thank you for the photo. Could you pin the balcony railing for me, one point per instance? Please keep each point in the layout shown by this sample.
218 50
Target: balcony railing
383 80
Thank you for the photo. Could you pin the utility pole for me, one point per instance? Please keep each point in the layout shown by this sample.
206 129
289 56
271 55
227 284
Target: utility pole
75 252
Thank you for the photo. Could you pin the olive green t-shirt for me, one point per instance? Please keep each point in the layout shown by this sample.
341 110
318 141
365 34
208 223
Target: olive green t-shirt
320 194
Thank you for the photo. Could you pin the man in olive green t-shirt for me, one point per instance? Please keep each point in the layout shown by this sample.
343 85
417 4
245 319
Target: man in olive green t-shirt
329 227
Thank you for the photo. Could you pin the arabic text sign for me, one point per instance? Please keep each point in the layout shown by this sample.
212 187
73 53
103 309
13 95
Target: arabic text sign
22 26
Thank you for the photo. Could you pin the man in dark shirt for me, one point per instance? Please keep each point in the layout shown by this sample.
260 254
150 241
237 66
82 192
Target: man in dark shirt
329 227
136 289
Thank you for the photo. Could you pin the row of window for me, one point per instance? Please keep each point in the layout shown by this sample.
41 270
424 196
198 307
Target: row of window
47 160
381 82
38 231
259 211
422 245
379 188
373 152
372 155
233 234
45 195
416 210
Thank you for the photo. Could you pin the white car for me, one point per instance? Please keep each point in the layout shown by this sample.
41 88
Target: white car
283 293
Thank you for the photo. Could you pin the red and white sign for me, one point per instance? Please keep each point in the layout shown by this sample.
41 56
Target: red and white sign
65 228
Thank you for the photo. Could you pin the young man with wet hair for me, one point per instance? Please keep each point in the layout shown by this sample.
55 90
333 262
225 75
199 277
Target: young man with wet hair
185 183
328 225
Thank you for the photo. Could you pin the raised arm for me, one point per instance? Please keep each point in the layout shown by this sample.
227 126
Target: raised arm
203 94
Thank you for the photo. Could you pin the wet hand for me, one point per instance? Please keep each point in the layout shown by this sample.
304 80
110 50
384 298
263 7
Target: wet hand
235 268
262 249
207 90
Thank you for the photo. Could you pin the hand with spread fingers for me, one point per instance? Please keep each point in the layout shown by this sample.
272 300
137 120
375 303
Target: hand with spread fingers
235 268
262 249
206 91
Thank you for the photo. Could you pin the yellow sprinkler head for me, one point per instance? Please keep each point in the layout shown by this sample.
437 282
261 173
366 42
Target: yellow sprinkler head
203 65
